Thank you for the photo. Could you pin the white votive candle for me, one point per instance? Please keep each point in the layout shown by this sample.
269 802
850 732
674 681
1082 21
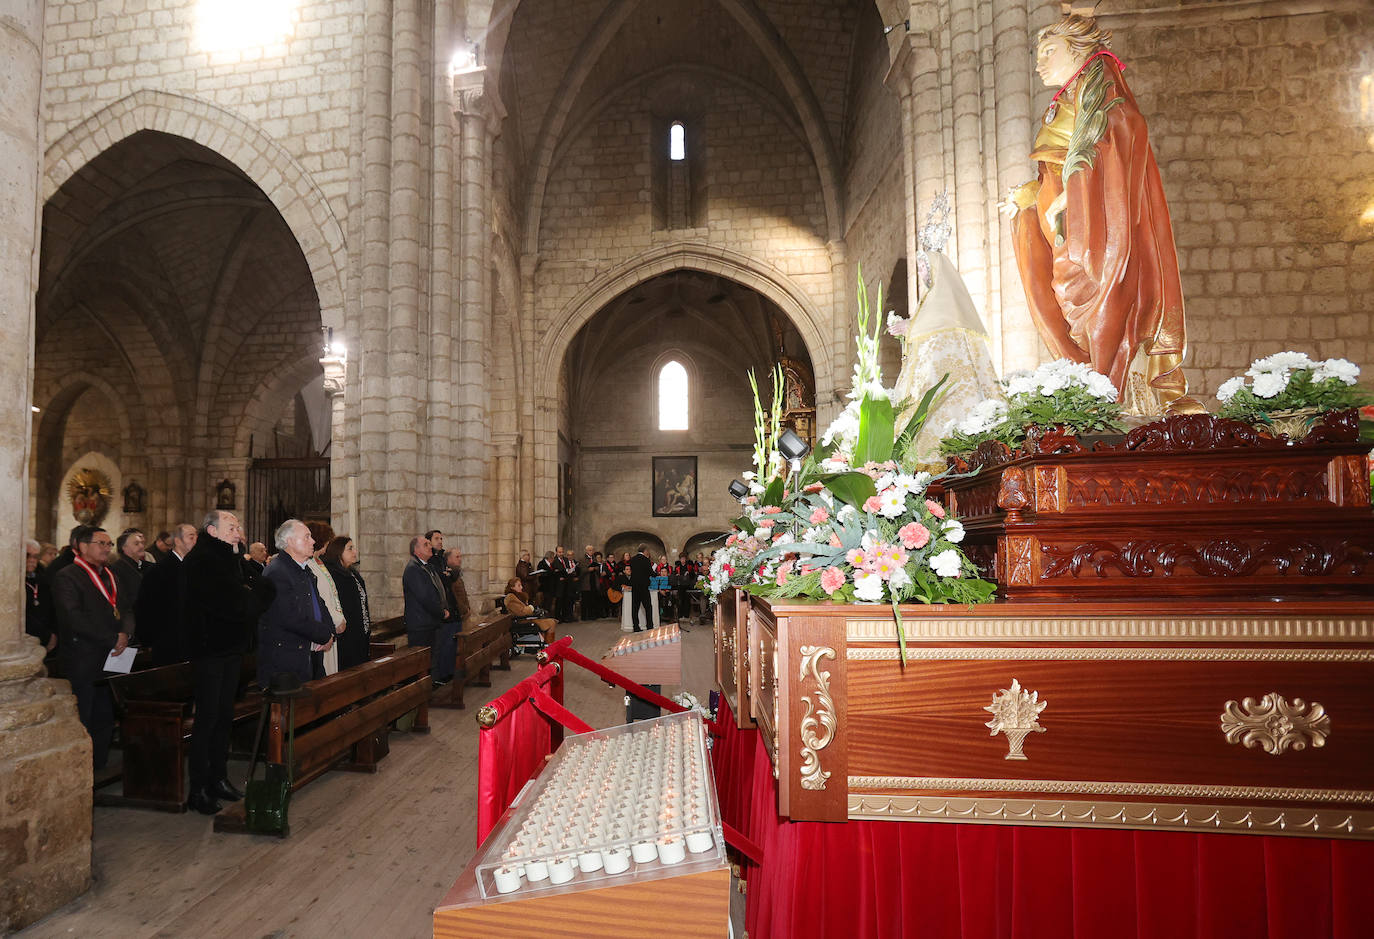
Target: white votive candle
589 862
699 841
507 879
561 870
670 850
616 860
537 871
644 851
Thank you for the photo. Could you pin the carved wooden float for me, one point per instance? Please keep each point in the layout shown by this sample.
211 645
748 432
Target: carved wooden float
1201 715
1191 505
732 653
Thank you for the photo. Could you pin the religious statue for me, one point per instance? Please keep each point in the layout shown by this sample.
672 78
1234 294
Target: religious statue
1093 240
89 491
944 339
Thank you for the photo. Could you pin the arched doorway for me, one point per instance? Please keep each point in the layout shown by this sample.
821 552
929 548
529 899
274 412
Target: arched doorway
655 411
173 289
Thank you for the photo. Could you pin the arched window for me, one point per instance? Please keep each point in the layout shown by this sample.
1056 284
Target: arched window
677 141
672 397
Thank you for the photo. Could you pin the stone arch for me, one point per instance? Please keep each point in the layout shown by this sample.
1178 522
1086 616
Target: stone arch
756 25
705 541
271 396
631 537
276 172
735 265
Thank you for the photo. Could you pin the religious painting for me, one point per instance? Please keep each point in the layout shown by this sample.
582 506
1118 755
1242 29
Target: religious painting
225 492
675 487
133 499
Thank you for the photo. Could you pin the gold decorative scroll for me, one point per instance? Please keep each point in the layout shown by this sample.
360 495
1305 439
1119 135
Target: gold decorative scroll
1275 725
818 724
1088 787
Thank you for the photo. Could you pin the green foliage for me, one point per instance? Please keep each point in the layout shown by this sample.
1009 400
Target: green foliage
876 425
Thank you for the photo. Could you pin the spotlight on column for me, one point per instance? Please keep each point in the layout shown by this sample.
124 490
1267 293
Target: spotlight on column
738 490
792 447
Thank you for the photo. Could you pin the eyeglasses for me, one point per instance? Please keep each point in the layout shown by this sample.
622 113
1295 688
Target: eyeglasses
103 544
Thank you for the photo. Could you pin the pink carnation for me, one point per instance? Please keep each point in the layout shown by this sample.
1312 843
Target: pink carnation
765 523
731 540
814 487
820 516
771 509
835 541
783 572
914 535
832 579
936 508
873 504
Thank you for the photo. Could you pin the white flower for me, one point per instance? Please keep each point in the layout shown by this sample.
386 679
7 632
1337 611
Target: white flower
921 480
785 538
844 428
1229 388
984 416
846 514
899 579
953 530
1346 372
908 483
1100 386
946 563
834 466
868 586
1019 383
884 481
893 503
875 391
1057 381
1279 362
1269 384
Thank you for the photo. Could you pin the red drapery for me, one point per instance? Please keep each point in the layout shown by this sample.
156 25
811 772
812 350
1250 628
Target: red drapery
512 750
873 880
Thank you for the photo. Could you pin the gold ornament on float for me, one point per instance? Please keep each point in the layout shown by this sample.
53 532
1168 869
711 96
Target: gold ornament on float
89 491
1274 725
1015 712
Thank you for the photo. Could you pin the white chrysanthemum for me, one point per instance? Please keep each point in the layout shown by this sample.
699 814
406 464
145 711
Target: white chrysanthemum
868 587
1054 382
946 563
884 481
1100 386
1269 384
1230 388
844 428
785 538
893 503
1020 383
1346 372
984 416
1280 362
908 484
953 530
846 514
922 479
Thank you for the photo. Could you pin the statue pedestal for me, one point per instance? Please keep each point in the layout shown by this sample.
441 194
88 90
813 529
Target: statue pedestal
45 790
1187 506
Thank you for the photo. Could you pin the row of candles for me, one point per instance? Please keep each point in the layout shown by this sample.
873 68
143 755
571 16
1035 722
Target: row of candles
661 636
639 796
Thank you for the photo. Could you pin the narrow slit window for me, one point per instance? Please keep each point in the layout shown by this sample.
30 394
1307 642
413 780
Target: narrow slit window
677 142
672 397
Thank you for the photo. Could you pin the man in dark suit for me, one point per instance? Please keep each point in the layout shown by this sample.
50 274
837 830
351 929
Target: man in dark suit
222 602
131 562
641 568
428 619
91 614
296 622
158 606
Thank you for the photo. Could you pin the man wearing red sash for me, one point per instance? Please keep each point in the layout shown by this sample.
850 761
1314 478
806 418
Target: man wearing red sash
92 622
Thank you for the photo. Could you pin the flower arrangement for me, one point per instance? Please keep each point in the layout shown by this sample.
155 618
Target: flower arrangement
1065 393
852 522
1286 382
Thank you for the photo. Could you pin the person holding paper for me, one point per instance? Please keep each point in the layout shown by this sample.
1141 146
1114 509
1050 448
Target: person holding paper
91 613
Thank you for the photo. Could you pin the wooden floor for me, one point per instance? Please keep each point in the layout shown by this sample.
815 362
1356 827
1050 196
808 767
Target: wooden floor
369 855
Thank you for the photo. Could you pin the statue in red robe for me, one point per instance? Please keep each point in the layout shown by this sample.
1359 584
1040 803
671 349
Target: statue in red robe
1093 240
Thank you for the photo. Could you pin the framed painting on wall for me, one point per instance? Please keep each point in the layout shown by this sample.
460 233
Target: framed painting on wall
675 487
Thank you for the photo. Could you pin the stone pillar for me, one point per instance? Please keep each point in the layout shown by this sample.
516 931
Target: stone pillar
504 530
45 755
477 111
1013 338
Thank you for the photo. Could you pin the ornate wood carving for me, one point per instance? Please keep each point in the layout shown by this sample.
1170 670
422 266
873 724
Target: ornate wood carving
1022 565
1049 488
1014 494
1222 557
817 726
1154 486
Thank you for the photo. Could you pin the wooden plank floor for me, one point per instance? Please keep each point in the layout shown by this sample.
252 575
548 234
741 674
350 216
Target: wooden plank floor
369 855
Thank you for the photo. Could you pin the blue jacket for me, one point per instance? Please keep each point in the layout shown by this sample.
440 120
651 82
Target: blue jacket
291 623
424 601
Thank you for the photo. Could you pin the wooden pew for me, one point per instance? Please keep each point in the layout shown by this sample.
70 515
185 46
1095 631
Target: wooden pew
481 648
344 720
388 630
155 719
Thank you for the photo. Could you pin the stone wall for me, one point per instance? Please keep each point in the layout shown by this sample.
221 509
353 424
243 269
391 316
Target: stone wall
1268 164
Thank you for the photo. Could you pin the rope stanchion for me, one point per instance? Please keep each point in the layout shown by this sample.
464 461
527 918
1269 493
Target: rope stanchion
615 678
742 843
550 708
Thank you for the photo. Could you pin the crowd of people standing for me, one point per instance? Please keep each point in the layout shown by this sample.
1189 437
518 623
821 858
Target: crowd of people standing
593 585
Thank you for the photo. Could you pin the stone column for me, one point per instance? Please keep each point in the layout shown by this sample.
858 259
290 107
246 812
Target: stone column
477 112
45 755
504 529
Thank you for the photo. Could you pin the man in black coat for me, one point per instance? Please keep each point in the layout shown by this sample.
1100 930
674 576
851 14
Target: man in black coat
91 614
131 562
428 619
296 623
161 625
221 603
641 569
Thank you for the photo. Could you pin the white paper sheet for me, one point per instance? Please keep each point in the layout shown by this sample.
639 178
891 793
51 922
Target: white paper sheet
122 663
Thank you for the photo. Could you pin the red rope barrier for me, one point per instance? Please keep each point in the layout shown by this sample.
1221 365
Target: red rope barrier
615 678
555 711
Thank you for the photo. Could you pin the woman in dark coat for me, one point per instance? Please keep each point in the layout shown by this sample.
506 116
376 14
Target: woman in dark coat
341 560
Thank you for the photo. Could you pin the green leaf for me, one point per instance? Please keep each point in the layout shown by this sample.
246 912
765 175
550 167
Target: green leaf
901 634
918 417
853 488
744 524
773 494
875 431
